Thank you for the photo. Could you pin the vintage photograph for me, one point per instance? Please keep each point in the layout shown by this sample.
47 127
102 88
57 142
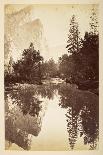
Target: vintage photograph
51 77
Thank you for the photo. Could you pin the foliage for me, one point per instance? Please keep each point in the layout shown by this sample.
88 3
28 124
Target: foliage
74 40
49 68
82 64
89 56
28 69
93 22
66 66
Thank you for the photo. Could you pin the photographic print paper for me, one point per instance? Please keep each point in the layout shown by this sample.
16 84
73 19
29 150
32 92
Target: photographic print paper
51 73
51 77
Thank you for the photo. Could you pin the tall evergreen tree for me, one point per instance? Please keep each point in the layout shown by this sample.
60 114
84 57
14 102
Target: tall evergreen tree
89 53
93 22
74 41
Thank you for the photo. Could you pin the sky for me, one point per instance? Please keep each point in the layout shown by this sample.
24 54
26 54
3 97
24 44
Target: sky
56 20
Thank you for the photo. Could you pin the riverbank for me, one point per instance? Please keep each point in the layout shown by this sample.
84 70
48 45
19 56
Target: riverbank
55 81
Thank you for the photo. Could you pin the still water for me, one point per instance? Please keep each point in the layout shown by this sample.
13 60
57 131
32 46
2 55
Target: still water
55 117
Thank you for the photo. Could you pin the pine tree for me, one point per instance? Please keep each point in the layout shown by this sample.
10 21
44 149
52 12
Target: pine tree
74 41
93 23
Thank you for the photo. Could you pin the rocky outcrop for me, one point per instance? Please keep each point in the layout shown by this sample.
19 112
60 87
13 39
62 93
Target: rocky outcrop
20 31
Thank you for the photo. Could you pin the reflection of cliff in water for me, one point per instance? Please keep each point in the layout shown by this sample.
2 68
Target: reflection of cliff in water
26 107
82 115
24 113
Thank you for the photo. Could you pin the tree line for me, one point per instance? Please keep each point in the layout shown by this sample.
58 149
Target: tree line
80 65
31 68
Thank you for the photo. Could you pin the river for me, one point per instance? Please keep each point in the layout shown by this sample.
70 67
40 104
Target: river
51 117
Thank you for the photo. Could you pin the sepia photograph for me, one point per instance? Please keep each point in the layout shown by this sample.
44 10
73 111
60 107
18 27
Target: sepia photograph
51 77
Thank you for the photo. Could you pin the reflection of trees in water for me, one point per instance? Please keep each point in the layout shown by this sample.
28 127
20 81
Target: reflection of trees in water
18 126
47 91
27 98
27 102
90 122
71 126
82 115
24 112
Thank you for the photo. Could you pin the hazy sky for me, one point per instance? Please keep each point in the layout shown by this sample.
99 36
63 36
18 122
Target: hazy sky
56 20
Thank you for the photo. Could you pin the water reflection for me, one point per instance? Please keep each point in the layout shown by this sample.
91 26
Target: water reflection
26 107
24 113
82 115
22 121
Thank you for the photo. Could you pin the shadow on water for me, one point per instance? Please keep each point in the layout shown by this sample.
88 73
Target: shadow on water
26 107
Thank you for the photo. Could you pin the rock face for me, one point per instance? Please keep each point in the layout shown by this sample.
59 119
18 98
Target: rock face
20 31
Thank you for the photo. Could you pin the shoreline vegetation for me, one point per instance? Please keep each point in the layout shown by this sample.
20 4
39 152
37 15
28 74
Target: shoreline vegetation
80 66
